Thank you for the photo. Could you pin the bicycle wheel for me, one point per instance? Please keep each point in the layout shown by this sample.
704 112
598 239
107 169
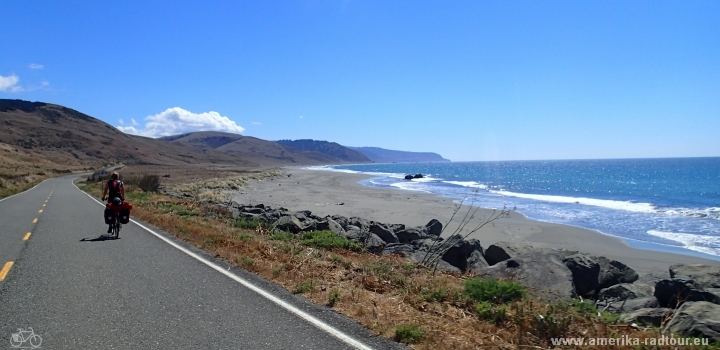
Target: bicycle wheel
35 341
118 226
14 343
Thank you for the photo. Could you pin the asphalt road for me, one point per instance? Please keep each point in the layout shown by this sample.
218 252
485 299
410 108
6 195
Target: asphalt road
140 291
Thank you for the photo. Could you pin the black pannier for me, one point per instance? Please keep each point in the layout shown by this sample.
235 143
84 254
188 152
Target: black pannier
124 216
110 216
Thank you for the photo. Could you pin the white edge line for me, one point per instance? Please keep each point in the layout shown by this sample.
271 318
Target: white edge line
29 189
302 314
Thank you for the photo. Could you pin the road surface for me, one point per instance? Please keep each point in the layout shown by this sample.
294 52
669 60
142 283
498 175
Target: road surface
142 291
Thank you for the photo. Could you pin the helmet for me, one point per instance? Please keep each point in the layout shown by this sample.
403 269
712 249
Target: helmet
116 201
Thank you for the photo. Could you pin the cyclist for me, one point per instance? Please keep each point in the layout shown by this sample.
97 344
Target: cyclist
116 191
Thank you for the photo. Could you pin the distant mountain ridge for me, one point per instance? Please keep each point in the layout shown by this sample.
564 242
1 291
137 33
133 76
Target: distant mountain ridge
381 155
329 148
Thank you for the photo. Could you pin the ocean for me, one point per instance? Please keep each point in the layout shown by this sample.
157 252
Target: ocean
668 204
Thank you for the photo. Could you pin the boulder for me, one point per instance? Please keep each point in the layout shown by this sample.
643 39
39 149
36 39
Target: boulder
457 251
253 210
405 250
369 240
647 316
613 272
620 306
290 223
540 270
383 232
696 319
585 272
335 227
433 228
362 224
705 276
410 234
625 291
409 177
502 251
673 292
476 261
418 256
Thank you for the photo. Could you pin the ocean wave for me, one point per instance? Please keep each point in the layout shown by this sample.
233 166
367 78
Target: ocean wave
410 186
699 243
707 213
611 204
471 184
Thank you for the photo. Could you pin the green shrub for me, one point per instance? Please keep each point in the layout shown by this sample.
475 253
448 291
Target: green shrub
283 236
494 291
327 240
333 297
409 334
430 295
491 313
248 224
304 287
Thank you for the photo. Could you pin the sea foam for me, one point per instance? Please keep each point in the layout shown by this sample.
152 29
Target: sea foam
699 243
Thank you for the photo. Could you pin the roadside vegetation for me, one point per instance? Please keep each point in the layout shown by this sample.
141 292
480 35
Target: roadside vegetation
14 184
389 295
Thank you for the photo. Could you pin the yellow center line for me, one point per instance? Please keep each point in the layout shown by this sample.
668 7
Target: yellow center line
43 205
40 211
35 221
27 236
6 269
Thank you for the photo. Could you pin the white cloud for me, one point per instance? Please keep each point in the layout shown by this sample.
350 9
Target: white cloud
122 122
44 83
256 123
133 121
36 66
302 117
174 121
9 83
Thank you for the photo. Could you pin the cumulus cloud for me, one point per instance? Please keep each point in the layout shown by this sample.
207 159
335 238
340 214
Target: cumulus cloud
36 66
174 121
10 83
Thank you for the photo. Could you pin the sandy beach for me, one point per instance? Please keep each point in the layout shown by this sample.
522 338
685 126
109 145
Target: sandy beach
335 193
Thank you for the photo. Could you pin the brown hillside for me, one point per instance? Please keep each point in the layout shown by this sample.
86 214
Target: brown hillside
43 135
253 149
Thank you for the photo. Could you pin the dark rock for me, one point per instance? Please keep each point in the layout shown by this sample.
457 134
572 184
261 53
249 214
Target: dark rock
696 319
253 210
335 227
409 177
613 272
647 316
399 249
476 261
629 305
362 224
433 228
321 225
673 292
541 271
410 234
585 273
418 176
457 251
384 233
290 223
625 291
260 206
705 276
502 251
419 256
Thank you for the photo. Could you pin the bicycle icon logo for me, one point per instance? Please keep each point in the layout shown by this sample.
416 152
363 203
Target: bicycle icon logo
25 336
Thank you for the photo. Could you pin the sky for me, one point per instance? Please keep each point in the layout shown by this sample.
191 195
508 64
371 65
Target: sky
470 80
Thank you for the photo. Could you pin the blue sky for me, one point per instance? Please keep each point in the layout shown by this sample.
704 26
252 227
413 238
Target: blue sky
471 80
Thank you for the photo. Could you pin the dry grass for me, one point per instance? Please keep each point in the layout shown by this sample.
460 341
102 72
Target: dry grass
13 184
385 293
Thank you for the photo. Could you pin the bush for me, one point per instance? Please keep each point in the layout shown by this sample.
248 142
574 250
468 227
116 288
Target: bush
282 236
493 291
333 297
304 287
327 240
248 224
147 183
490 312
409 334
